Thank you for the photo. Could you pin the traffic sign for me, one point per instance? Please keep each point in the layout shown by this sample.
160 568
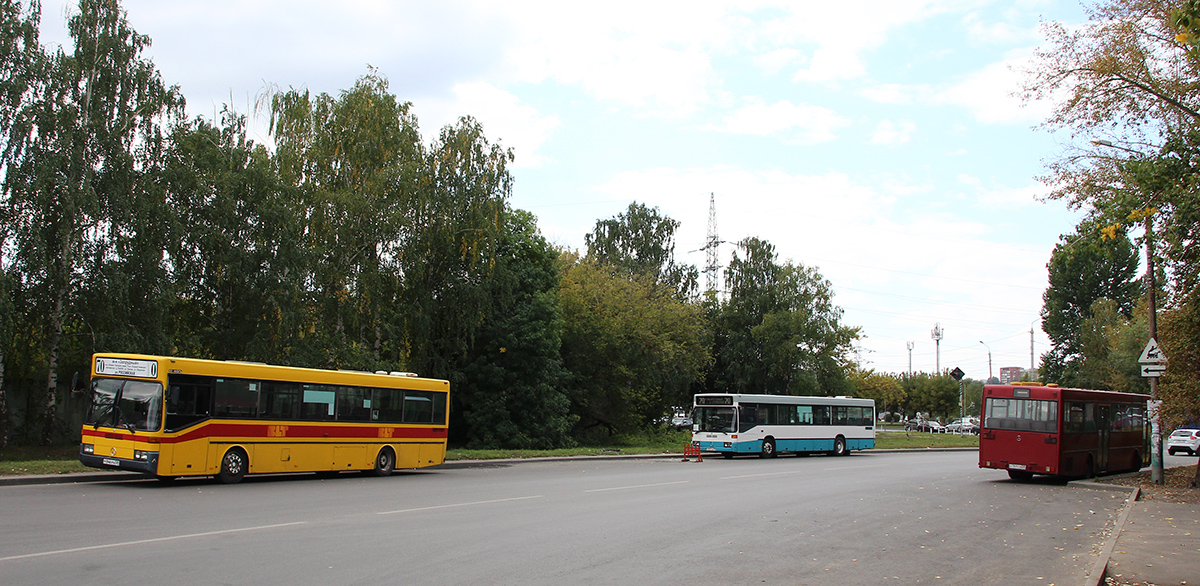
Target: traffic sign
1152 354
957 373
1153 370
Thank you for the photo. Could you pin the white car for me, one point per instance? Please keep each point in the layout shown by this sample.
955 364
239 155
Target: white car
1184 440
965 425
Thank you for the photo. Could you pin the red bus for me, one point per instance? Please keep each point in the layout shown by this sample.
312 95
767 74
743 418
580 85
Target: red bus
1028 429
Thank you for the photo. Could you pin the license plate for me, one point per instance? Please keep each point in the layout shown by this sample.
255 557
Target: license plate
1016 466
111 462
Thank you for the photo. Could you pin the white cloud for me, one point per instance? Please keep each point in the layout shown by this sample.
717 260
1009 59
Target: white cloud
888 132
504 118
658 60
1004 198
894 93
992 94
795 123
774 61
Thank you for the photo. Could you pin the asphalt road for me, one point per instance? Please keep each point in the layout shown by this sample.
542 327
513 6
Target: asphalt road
876 518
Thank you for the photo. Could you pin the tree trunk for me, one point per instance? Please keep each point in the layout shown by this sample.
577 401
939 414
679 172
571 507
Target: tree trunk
3 403
51 400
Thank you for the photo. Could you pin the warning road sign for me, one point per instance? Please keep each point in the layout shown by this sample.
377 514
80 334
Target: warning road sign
1152 354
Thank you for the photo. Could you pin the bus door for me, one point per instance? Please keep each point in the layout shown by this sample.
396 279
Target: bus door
1104 433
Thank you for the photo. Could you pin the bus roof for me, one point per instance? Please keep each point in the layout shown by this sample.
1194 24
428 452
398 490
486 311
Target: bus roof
1054 391
259 370
790 399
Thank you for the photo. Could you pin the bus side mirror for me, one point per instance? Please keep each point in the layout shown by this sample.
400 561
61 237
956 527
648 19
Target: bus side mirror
75 385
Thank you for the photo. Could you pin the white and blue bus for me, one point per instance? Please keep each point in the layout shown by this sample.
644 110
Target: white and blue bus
769 424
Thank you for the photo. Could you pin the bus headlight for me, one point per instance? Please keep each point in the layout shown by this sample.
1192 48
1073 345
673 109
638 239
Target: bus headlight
140 455
87 448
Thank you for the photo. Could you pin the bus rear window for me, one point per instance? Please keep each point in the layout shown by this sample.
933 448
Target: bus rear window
1021 415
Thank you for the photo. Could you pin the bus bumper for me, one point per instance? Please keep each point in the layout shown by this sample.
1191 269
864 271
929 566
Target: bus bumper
148 465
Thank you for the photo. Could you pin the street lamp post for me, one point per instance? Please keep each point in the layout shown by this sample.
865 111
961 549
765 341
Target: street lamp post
989 349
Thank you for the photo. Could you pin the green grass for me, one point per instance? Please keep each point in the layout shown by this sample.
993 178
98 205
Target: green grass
896 440
21 460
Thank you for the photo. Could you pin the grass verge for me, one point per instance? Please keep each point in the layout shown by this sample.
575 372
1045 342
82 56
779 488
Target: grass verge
22 460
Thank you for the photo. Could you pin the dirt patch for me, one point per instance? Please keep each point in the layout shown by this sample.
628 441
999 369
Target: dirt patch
1174 489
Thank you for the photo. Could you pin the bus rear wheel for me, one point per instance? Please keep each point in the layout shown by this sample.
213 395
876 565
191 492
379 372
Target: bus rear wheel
385 462
839 446
233 466
768 448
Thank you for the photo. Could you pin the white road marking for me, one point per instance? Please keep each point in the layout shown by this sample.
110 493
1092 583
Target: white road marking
145 541
854 467
450 506
637 486
758 475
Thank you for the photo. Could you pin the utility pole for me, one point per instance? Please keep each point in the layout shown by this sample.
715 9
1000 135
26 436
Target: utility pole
1156 459
989 348
712 267
936 334
1032 374
910 347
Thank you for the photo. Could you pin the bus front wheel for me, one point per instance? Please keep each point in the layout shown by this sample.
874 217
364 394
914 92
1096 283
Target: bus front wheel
233 466
385 462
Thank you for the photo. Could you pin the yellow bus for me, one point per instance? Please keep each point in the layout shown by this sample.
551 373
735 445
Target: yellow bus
171 417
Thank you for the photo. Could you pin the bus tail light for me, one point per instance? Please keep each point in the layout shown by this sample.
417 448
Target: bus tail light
989 435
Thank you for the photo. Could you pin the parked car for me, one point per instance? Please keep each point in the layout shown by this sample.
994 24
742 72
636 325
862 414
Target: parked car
964 425
681 422
1184 440
924 425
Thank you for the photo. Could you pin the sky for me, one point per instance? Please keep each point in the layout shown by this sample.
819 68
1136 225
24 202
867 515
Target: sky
882 142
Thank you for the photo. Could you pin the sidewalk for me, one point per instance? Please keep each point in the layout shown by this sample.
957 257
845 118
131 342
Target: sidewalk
1158 544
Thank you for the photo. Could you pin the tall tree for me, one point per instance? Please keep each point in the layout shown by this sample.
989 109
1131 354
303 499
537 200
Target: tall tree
94 119
19 55
512 391
641 242
451 230
632 347
1130 78
779 332
1085 267
238 260
354 160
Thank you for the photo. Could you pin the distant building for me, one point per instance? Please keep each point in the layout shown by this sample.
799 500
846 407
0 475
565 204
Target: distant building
1011 374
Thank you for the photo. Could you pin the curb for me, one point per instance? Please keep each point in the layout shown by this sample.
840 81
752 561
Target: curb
1100 568
71 478
119 476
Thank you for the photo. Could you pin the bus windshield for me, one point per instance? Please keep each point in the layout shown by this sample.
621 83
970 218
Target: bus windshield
714 419
138 404
1021 415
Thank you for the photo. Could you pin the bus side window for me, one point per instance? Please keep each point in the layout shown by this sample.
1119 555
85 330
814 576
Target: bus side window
189 400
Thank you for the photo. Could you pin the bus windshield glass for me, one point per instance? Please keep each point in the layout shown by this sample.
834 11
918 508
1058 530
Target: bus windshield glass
714 419
138 404
1021 415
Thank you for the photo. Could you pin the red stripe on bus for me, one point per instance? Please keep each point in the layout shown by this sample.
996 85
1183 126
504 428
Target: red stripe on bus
280 431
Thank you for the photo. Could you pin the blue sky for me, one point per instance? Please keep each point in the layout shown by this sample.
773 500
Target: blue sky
879 141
